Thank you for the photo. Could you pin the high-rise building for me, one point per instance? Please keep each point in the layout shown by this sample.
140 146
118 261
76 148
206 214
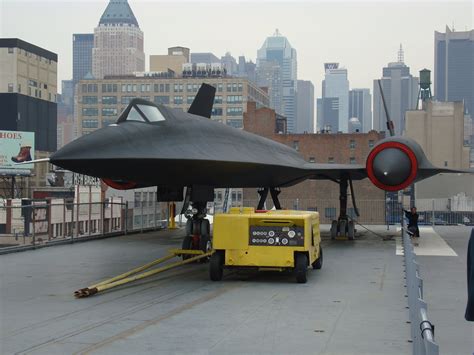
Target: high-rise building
230 64
328 114
360 106
206 58
247 69
454 67
305 107
174 60
336 85
100 101
277 53
400 90
28 91
439 129
118 42
82 44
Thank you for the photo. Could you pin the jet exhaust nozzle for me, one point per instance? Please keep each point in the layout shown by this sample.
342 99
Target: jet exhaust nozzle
392 166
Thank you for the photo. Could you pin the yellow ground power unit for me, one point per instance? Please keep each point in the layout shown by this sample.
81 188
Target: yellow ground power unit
275 240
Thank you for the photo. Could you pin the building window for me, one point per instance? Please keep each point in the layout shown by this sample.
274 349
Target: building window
331 160
10 50
109 112
234 111
218 99
10 87
330 212
296 145
190 99
240 87
167 87
229 87
161 100
90 123
39 92
352 160
216 111
352 144
312 159
143 88
88 111
236 123
109 100
178 100
125 100
219 87
234 99
178 87
107 122
147 98
19 90
35 84
89 100
137 199
371 143
124 88
134 88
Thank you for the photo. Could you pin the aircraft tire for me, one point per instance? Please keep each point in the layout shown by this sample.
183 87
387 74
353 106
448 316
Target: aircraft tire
333 229
187 244
342 228
351 230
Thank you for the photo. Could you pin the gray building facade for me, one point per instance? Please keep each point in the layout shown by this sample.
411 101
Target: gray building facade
360 106
454 67
400 90
336 85
305 107
82 44
277 54
328 114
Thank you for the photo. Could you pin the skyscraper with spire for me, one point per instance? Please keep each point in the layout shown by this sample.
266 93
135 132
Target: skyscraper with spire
276 69
400 90
118 42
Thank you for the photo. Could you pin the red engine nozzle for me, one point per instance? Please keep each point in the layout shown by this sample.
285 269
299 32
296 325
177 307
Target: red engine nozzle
120 185
392 166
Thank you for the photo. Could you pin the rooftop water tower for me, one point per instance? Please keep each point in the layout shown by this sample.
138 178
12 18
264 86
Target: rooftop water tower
424 94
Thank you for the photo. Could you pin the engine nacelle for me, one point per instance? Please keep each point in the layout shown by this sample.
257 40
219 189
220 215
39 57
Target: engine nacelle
392 165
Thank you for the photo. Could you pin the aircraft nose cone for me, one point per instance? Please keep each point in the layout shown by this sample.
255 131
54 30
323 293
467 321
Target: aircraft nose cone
86 154
392 167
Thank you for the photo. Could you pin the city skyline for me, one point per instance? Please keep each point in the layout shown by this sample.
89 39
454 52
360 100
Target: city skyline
304 20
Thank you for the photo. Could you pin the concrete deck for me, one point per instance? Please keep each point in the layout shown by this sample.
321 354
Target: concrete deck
354 305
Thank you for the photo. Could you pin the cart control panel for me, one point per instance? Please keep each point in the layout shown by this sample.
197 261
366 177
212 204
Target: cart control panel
276 236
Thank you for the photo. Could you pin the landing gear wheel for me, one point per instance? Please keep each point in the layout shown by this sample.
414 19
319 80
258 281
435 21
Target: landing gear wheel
351 230
205 245
189 226
318 264
342 228
187 244
205 228
301 268
333 229
216 266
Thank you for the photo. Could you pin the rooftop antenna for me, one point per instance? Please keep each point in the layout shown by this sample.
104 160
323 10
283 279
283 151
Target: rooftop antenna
401 55
277 33
390 126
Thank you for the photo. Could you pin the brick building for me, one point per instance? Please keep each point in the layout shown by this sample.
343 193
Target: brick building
322 196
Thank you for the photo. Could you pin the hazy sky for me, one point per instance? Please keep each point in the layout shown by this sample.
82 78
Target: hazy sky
362 36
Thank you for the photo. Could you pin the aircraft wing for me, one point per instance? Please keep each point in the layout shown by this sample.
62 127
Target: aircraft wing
335 171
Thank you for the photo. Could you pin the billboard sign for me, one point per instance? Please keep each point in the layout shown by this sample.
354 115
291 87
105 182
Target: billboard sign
16 147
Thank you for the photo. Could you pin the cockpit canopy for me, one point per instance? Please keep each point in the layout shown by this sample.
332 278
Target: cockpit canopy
141 111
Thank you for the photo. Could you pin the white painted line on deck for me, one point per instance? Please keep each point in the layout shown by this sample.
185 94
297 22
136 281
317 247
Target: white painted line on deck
429 243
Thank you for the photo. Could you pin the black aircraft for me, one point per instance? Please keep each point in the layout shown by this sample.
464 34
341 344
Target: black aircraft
154 145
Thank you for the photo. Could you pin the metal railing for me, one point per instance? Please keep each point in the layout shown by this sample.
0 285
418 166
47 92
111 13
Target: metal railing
54 221
422 330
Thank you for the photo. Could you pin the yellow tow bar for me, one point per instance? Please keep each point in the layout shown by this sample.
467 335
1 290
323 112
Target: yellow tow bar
134 274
